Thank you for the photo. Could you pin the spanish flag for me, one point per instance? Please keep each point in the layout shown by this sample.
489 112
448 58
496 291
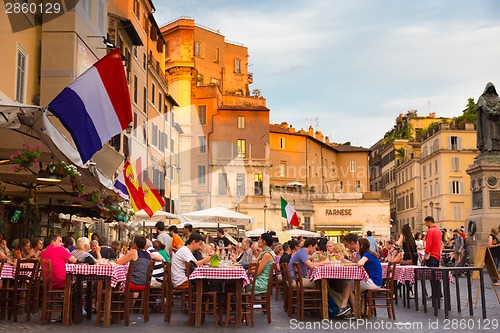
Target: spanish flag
152 198
134 185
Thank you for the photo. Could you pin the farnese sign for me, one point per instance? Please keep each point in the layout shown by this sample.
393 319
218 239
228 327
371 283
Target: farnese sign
338 212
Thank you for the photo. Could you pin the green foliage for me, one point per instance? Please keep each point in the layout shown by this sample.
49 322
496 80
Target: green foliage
25 158
469 115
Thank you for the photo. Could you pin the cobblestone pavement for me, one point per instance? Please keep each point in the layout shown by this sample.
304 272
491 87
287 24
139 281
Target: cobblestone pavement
407 320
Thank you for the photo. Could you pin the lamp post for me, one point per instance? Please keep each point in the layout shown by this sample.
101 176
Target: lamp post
265 215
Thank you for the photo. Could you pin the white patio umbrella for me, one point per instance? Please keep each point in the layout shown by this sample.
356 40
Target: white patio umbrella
294 184
159 215
217 215
300 232
255 232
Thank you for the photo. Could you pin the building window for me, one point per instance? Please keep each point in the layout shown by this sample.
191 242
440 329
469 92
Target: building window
455 164
200 204
258 184
222 184
21 76
424 172
455 143
135 88
145 102
430 169
240 184
101 16
167 54
216 55
160 98
135 125
87 6
436 188
203 144
411 200
352 166
241 122
137 9
436 167
154 135
241 146
456 187
282 143
282 169
307 223
202 174
153 91
237 65
341 185
430 190
197 49
425 192
202 115
457 213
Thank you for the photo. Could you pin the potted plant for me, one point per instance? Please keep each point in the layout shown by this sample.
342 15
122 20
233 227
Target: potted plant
25 158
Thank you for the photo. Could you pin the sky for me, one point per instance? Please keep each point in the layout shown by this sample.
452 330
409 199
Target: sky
350 67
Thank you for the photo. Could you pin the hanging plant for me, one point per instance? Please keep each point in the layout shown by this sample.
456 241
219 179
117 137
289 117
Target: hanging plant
25 158
108 206
63 170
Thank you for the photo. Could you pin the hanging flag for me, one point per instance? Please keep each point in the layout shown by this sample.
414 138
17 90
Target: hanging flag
136 195
288 212
120 186
152 198
96 106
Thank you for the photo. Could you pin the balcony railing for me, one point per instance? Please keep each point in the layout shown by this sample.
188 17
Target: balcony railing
155 64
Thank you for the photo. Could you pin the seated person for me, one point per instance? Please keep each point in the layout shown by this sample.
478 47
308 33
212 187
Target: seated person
394 254
371 264
160 248
157 274
142 259
58 256
247 256
82 253
351 244
106 251
265 261
183 255
302 257
23 248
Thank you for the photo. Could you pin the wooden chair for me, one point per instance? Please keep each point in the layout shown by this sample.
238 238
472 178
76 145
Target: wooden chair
246 298
156 294
172 295
290 293
19 292
125 300
52 299
209 299
278 281
307 299
385 294
264 299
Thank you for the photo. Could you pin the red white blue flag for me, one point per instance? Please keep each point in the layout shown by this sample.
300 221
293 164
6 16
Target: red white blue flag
96 106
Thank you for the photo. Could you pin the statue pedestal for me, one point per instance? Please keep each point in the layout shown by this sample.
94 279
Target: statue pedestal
485 188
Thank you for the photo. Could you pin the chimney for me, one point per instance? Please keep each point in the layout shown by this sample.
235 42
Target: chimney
284 124
327 140
319 136
291 129
310 131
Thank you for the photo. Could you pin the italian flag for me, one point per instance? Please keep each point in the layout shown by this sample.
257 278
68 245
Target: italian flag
288 212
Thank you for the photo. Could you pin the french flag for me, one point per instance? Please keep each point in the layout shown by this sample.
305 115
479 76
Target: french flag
96 106
120 186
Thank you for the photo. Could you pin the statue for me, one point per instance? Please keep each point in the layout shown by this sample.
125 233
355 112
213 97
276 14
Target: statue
488 120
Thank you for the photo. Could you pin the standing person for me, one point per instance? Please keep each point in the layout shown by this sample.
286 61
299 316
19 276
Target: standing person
187 230
433 246
407 242
494 246
164 237
372 240
176 239
222 241
419 241
58 257
458 247
322 241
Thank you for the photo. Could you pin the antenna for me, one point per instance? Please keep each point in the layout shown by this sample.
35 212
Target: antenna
429 106
316 123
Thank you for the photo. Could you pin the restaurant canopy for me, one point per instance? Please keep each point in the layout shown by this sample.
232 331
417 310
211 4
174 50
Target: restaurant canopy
217 215
158 216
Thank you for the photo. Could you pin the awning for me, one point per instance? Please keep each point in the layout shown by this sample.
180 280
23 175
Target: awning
217 215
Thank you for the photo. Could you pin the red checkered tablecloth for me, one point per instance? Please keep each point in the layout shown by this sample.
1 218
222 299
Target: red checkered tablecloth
118 273
8 271
220 273
337 272
407 273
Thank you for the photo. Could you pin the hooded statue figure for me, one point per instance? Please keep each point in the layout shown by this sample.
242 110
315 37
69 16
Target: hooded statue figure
488 120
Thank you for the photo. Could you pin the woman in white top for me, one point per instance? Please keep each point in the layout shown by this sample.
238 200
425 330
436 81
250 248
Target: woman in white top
419 240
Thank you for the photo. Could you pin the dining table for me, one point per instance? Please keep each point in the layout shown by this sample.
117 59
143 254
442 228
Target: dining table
234 273
342 272
110 274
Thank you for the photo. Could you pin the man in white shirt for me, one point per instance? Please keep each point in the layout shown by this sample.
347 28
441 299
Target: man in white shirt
185 253
163 236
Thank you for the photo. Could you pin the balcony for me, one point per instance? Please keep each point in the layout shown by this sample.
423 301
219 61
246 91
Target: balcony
155 64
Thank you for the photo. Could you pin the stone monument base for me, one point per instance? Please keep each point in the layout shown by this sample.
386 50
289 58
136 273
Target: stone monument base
485 188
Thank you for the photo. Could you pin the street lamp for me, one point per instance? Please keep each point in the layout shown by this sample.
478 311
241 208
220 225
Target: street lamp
265 213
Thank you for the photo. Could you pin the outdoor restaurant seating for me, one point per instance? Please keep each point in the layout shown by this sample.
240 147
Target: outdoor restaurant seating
19 292
53 299
384 294
172 295
307 299
246 301
290 293
264 299
278 281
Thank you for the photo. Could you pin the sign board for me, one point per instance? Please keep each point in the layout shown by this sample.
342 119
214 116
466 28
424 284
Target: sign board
16 216
484 257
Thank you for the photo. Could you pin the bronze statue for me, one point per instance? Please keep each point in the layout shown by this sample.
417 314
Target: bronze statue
488 120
